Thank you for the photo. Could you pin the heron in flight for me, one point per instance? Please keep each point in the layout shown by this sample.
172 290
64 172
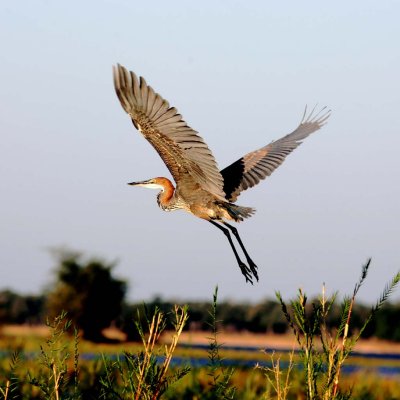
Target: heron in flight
201 188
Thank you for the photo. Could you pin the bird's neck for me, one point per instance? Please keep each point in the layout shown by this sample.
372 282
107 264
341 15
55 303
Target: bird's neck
166 194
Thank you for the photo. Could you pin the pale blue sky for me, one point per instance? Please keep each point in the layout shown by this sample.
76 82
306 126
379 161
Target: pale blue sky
241 73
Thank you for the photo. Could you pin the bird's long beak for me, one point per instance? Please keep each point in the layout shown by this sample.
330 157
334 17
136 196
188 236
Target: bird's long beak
138 183
149 184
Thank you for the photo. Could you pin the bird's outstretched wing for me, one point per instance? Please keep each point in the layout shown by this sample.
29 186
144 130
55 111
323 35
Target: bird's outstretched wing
257 165
183 151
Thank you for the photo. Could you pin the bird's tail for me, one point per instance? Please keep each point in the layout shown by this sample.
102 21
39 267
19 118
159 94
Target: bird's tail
238 213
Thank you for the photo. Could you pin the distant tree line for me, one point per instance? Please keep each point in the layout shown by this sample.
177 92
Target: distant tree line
266 317
21 309
95 299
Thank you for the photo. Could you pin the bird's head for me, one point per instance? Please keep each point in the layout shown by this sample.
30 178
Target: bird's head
165 187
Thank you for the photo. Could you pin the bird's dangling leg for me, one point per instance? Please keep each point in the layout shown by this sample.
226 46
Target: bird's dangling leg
246 271
251 263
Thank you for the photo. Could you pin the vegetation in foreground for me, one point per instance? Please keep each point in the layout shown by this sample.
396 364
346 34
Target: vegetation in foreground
60 373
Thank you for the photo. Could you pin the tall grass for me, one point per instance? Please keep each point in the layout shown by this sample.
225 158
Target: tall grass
279 380
8 391
309 326
221 386
58 376
143 375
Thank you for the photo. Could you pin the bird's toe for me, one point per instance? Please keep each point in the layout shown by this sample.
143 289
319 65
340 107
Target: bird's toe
246 271
254 268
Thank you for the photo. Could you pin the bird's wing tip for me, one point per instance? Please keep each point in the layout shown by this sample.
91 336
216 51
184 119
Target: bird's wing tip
319 117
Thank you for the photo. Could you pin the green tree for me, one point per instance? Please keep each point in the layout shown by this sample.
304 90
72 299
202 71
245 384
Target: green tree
20 309
387 323
88 292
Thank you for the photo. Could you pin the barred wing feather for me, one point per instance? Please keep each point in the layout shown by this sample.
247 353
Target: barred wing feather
257 165
183 151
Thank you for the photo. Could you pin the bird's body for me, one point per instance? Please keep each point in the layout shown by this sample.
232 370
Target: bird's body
201 189
194 200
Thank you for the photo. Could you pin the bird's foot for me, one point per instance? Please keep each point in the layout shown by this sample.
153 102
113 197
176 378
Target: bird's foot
247 272
253 268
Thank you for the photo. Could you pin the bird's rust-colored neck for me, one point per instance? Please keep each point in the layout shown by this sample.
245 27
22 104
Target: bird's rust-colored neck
167 192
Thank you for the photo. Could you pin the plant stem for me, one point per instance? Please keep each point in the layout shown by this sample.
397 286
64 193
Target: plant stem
56 381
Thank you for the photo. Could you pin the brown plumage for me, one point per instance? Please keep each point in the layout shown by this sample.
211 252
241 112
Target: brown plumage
201 189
